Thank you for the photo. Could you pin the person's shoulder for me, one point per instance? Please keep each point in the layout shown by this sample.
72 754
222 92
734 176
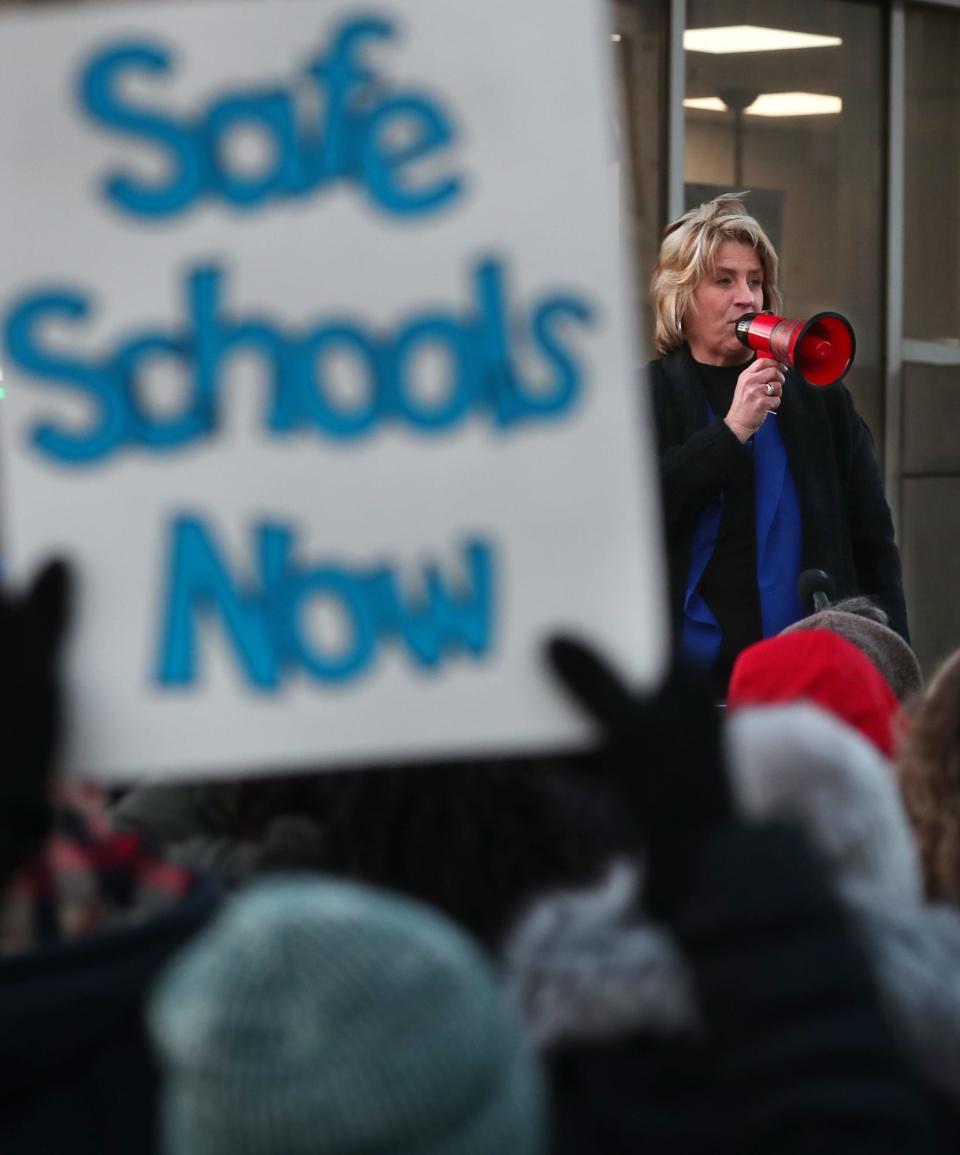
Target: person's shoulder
671 369
835 400
837 396
839 404
654 370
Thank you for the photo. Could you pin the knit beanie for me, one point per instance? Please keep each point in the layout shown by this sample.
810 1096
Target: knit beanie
883 646
801 764
320 1017
821 667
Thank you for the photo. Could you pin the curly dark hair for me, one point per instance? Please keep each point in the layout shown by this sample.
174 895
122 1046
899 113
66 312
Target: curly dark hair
928 765
478 840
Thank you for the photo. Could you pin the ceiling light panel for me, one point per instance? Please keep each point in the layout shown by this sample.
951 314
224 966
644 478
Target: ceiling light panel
775 104
752 38
707 103
795 104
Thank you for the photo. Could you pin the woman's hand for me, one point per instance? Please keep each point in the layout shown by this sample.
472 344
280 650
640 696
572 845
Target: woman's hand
758 392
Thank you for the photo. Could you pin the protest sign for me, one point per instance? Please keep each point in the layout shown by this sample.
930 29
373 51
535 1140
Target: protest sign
321 374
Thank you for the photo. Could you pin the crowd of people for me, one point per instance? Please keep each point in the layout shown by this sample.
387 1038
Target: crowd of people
726 930
718 930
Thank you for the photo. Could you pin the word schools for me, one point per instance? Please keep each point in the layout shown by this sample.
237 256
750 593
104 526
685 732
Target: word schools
479 348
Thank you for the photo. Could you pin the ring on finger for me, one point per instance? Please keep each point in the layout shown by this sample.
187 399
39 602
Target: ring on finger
770 389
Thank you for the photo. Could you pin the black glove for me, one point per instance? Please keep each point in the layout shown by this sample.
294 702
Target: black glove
662 756
31 628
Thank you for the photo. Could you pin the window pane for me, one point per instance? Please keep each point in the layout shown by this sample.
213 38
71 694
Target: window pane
799 121
931 303
640 53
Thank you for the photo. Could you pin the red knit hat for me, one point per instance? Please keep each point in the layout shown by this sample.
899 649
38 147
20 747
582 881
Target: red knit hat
817 666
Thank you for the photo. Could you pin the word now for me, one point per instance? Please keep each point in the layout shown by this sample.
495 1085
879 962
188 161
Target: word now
476 346
264 622
368 135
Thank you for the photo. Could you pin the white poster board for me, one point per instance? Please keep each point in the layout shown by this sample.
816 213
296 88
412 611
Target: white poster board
320 373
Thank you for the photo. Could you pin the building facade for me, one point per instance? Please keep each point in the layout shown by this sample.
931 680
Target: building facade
843 118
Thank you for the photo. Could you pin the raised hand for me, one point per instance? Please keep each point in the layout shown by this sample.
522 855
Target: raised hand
32 626
662 755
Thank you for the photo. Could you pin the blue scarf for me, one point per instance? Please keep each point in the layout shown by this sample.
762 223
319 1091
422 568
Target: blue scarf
779 552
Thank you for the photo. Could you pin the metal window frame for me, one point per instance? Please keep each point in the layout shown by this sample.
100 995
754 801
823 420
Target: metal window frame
901 349
894 352
676 90
929 352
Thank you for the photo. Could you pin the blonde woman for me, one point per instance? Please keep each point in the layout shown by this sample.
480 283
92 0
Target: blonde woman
762 475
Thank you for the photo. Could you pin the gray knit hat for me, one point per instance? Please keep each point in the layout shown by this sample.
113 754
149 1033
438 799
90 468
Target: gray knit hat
884 647
317 1017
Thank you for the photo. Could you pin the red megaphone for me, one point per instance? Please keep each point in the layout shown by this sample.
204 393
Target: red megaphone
821 349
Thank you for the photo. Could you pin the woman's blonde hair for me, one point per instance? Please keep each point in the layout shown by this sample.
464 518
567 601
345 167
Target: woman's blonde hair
688 253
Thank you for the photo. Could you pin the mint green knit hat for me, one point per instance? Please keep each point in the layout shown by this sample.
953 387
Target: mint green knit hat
319 1017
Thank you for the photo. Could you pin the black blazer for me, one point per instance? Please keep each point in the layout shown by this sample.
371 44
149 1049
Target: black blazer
847 528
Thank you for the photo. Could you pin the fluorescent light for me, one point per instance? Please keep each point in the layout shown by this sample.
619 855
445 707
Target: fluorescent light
794 104
707 103
752 38
775 104
616 37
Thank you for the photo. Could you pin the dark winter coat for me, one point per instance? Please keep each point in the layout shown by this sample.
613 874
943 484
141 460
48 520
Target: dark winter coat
76 1070
847 527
